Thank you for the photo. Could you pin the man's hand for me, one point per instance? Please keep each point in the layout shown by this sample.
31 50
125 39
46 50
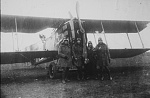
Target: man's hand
76 58
86 60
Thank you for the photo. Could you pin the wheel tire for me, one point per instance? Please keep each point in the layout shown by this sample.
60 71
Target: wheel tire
52 71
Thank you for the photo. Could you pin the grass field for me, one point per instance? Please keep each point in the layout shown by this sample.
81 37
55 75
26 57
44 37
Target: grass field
131 79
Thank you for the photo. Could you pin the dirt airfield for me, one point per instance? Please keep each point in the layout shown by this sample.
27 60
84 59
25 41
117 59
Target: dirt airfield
130 80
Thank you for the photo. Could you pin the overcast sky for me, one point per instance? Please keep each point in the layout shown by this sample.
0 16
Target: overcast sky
91 9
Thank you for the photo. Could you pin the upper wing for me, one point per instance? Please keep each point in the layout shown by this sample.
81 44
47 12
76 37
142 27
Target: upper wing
21 57
26 24
114 26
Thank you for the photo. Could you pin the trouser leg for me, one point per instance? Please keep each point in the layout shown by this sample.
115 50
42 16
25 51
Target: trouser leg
83 72
67 73
78 73
86 71
79 70
63 74
94 72
90 69
107 71
97 71
102 72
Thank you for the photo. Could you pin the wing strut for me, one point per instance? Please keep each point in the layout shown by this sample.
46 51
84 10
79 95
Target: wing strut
139 34
95 38
104 32
129 40
16 33
13 40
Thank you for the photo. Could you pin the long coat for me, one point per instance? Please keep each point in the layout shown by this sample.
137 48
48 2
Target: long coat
103 56
91 65
64 51
77 53
91 54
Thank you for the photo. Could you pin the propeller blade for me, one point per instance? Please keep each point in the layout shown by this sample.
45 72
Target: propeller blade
77 9
80 24
83 31
71 17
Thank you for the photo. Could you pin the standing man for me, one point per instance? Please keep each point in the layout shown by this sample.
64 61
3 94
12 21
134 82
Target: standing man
65 60
78 57
103 58
90 67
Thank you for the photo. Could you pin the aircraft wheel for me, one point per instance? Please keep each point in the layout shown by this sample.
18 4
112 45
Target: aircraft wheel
52 71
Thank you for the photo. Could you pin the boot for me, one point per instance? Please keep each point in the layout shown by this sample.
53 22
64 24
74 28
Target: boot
102 78
110 78
63 75
66 74
63 81
67 80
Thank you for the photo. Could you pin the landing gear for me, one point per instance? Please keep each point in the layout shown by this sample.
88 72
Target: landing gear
52 71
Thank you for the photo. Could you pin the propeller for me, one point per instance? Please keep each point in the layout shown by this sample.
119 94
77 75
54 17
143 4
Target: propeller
83 31
80 24
71 17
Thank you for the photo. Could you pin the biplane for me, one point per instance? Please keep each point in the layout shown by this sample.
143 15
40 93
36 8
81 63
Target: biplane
69 28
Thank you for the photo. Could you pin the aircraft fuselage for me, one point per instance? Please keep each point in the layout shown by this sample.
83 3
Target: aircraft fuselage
69 30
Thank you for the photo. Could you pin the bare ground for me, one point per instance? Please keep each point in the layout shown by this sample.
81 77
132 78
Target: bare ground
130 82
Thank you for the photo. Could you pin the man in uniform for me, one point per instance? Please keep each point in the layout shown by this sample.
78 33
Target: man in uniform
78 58
90 67
103 58
65 60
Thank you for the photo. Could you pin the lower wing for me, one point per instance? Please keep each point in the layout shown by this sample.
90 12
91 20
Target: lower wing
21 57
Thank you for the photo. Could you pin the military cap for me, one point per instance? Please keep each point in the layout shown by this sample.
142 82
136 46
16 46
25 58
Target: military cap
100 39
79 39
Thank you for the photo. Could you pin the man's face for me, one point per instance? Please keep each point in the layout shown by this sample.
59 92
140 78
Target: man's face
78 41
90 44
66 42
100 41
